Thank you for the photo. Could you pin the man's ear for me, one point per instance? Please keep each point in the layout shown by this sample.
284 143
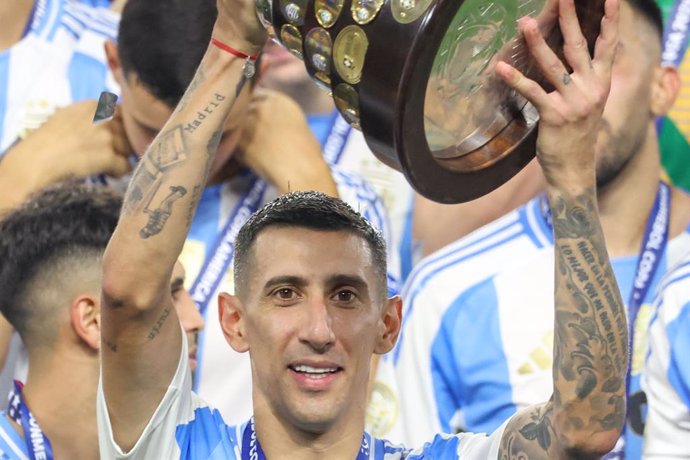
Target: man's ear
231 316
665 88
85 317
391 320
114 63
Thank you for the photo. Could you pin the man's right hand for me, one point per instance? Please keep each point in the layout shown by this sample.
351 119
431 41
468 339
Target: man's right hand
68 145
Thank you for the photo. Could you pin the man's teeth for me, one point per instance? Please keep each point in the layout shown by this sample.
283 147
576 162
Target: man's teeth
315 371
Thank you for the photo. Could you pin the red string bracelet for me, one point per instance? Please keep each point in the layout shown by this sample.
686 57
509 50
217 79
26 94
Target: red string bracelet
233 51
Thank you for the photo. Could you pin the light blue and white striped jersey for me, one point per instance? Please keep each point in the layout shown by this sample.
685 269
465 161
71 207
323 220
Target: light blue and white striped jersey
477 342
12 444
185 427
666 377
224 376
60 60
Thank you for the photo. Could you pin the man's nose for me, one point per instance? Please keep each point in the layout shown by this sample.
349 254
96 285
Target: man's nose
317 330
189 315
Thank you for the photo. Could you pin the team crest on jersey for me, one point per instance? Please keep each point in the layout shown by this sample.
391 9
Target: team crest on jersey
382 411
541 358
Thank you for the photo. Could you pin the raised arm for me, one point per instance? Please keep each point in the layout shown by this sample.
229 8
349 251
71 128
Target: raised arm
585 414
141 334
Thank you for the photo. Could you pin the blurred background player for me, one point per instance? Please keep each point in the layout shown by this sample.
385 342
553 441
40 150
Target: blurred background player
50 286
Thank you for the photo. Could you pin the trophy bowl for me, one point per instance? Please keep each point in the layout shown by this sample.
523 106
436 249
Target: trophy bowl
417 77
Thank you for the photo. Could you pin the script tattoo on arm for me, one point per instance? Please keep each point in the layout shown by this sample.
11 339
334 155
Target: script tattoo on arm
587 408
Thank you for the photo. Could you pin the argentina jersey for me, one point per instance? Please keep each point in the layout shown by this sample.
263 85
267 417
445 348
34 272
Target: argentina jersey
485 350
59 60
185 427
223 377
666 377
432 286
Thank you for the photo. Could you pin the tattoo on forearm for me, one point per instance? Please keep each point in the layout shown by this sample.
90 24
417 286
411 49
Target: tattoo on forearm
169 150
159 216
203 114
590 345
156 329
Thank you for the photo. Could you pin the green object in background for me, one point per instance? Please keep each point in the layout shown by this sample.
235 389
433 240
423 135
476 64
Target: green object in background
675 154
675 149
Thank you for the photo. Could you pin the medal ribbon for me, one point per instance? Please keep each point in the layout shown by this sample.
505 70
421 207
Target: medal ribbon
676 30
251 449
651 253
37 444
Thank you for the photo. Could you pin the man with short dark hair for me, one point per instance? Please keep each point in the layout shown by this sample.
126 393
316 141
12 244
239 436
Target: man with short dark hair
311 306
51 251
265 148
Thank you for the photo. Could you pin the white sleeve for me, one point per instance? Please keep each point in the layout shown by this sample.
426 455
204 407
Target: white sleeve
465 446
158 438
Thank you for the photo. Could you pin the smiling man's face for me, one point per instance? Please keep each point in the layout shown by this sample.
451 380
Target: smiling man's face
313 317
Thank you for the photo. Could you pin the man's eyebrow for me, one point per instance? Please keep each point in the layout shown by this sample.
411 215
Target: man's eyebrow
285 279
355 281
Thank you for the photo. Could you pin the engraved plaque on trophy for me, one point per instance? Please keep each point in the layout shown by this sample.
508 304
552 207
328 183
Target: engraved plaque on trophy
417 77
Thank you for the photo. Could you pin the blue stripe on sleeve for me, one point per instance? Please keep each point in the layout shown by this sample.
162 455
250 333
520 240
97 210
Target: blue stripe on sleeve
470 370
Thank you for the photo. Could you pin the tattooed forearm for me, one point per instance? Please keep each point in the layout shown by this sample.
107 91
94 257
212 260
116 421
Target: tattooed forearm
590 345
159 216
204 113
155 330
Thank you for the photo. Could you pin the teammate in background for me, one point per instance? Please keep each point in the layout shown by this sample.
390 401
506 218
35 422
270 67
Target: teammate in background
501 362
666 377
311 303
50 292
265 148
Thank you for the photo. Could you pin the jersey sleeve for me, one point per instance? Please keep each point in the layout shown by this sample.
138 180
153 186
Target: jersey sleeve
666 379
465 446
158 439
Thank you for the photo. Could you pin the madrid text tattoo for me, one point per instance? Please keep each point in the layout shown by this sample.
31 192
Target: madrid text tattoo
590 341
203 114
